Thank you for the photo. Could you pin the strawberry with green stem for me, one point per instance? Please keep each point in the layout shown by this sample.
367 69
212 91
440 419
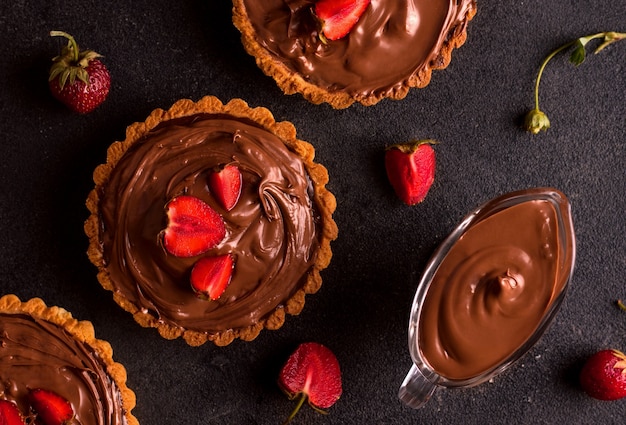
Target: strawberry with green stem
311 372
78 78
536 120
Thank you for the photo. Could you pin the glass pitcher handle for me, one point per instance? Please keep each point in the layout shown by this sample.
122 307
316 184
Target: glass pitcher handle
417 388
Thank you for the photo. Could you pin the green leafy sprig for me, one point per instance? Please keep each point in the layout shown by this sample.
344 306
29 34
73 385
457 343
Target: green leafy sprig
536 120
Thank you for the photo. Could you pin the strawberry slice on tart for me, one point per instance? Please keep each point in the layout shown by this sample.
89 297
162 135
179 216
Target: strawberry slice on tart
50 407
211 275
10 414
338 17
225 184
193 227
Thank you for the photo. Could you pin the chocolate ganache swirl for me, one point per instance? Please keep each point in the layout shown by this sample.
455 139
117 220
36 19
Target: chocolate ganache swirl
395 44
272 232
35 353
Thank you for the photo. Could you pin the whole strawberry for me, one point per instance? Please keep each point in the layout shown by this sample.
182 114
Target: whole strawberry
604 375
78 78
411 169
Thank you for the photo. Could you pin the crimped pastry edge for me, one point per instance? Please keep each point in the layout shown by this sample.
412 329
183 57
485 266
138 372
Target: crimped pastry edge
286 131
290 82
84 332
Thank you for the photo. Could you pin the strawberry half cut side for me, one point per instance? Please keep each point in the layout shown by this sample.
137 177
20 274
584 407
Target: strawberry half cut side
312 372
193 227
10 414
411 169
225 185
50 407
337 17
211 275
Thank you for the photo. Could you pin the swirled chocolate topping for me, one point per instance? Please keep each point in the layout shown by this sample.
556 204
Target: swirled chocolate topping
271 232
393 42
35 353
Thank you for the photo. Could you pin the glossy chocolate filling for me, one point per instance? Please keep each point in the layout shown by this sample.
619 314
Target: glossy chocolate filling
393 41
271 232
35 353
494 288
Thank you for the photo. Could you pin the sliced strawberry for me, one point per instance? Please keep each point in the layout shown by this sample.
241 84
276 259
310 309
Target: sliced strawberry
339 16
50 407
211 275
411 169
311 371
10 414
604 375
225 184
193 227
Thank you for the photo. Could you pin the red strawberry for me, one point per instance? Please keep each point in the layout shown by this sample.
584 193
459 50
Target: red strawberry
411 169
78 78
50 407
604 375
225 184
193 227
10 414
312 371
337 17
211 275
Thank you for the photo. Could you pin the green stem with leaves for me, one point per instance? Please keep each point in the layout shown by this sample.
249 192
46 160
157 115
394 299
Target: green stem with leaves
536 120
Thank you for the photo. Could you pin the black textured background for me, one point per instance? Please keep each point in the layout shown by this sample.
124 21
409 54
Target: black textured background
160 51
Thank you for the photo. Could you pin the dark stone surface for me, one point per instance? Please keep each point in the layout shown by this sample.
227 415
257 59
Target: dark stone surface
160 51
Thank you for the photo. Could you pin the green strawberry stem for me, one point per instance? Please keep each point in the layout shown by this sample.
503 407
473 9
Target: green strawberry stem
301 401
71 43
621 305
536 120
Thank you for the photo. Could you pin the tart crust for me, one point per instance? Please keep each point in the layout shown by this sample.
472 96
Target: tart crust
290 82
82 331
324 200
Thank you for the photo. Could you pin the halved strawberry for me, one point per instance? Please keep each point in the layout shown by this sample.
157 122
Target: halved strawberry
311 371
50 407
337 17
193 227
211 275
411 169
10 414
225 184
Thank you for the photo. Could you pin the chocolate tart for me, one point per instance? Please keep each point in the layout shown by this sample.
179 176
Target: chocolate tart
395 46
45 347
278 233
